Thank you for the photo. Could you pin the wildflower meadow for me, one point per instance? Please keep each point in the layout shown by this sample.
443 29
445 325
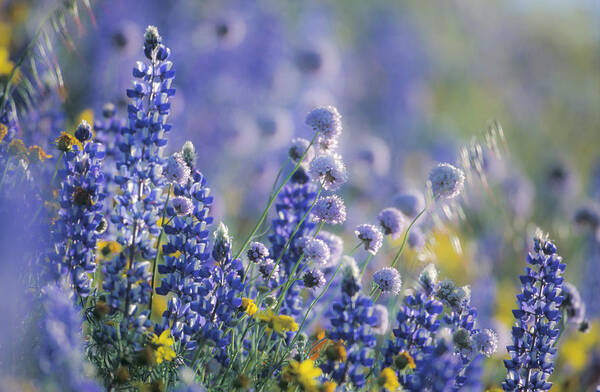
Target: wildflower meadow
319 196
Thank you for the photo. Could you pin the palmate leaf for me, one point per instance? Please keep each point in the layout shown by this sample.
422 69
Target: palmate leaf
38 68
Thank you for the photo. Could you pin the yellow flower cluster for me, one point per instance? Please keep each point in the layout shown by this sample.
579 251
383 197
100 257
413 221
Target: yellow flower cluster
389 380
249 306
164 343
301 374
279 323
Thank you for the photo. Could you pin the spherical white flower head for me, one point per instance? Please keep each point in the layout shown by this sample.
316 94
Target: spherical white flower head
428 276
388 279
410 203
329 170
313 279
298 148
349 267
326 120
257 252
380 313
182 205
446 181
330 209
176 170
486 341
392 221
188 153
370 236
572 304
335 245
268 267
316 251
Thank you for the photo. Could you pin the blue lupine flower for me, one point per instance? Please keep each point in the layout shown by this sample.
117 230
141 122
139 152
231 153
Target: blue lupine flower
388 280
183 275
139 167
392 221
537 320
446 181
331 210
292 204
417 323
370 236
83 133
351 319
328 170
75 231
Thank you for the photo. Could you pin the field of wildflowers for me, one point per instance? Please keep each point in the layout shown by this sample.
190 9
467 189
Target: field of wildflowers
299 196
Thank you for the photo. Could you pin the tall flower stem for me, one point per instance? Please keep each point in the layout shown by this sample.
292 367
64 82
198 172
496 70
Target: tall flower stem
272 199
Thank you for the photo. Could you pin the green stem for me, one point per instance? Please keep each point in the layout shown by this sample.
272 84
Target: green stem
364 267
468 363
155 263
272 199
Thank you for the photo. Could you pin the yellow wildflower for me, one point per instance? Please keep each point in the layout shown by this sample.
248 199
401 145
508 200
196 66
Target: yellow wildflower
280 324
249 306
164 343
6 66
108 248
388 379
65 142
17 147
302 373
328 386
37 154
3 132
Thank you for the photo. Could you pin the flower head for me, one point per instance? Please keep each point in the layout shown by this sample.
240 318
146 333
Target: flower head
330 209
572 304
410 203
176 170
313 279
268 268
388 279
188 153
163 346
328 170
65 142
370 236
302 374
257 252
446 181
391 220
316 251
83 133
486 341
404 360
278 323
298 148
388 380
380 312
335 245
183 205
325 120
248 306
37 154
453 296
